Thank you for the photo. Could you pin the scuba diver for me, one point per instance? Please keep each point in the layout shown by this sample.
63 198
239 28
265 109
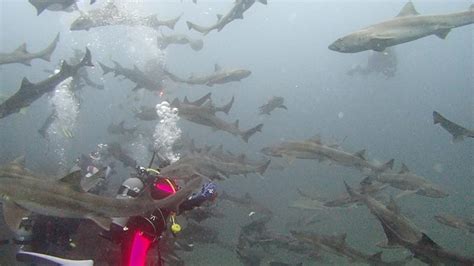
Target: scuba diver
136 235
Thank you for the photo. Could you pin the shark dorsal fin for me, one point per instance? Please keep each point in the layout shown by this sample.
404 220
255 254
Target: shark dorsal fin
340 239
175 102
25 83
360 154
219 17
408 10
217 68
185 100
22 48
73 180
236 123
427 241
315 139
20 161
392 205
404 169
13 214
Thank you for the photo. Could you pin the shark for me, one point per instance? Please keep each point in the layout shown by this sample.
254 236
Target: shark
165 40
314 149
455 222
135 75
272 104
407 26
30 92
23 192
204 104
458 132
54 5
236 12
337 244
22 56
220 76
110 15
401 232
409 182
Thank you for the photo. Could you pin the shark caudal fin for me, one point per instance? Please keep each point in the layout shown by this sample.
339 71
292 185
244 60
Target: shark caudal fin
46 53
105 69
201 29
247 134
387 166
437 118
172 22
354 195
86 60
226 108
261 169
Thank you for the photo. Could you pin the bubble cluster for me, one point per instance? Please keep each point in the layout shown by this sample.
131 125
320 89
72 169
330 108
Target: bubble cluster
167 131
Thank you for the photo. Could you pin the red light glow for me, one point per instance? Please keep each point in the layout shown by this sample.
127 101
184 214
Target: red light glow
165 187
140 246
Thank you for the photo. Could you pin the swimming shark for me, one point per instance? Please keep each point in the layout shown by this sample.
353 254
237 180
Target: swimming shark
23 192
43 131
22 56
336 244
165 40
314 149
458 132
409 182
237 12
135 75
110 15
407 26
220 76
30 92
402 232
272 104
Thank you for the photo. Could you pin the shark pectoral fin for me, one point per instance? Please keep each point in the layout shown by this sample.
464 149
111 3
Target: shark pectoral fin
92 181
13 214
103 222
73 180
392 205
360 154
442 33
378 43
26 62
426 241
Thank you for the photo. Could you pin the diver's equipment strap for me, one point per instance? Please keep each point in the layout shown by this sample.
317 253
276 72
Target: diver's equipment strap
38 258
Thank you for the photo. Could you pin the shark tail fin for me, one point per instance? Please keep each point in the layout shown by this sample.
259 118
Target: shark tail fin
86 60
354 195
437 118
201 29
226 108
247 134
105 68
388 165
263 167
46 53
